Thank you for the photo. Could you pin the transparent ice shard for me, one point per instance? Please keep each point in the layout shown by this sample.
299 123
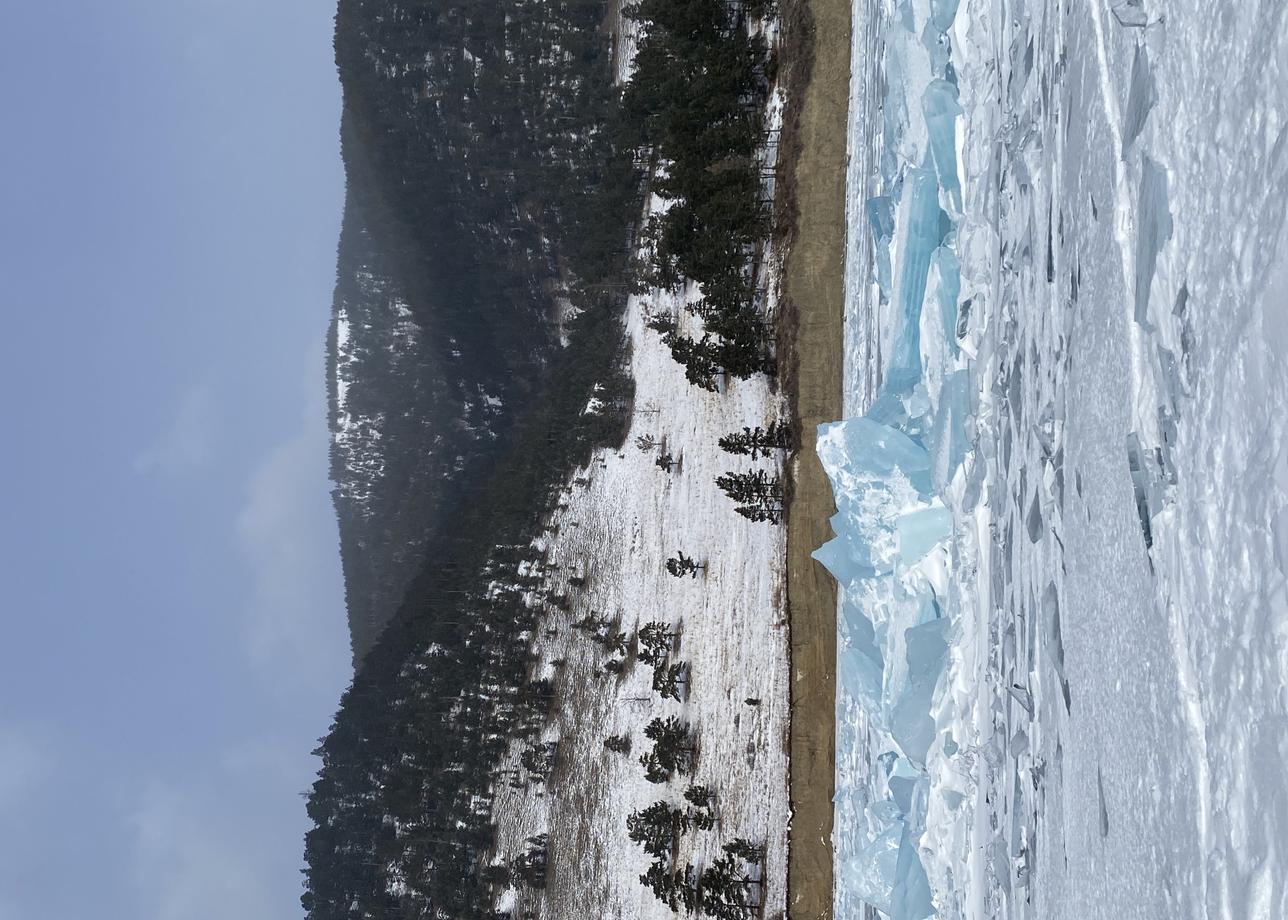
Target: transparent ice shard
948 441
911 898
860 665
1155 222
920 531
1140 98
942 14
881 219
922 228
911 725
1131 13
874 872
941 109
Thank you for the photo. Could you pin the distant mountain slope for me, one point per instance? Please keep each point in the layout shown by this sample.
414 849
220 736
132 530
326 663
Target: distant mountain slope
472 139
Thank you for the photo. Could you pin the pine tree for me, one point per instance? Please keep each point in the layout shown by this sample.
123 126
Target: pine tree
668 679
703 800
674 749
663 324
680 565
657 828
720 894
654 770
655 642
700 796
759 497
674 889
749 488
666 462
742 848
758 442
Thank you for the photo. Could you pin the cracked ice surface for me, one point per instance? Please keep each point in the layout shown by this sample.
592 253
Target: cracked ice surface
1062 482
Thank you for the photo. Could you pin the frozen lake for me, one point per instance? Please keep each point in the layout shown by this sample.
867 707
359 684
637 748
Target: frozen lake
1067 288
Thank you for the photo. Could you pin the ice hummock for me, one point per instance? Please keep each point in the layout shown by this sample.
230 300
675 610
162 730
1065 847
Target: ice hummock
890 469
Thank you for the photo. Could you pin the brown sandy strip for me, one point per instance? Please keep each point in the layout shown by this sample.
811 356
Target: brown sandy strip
811 208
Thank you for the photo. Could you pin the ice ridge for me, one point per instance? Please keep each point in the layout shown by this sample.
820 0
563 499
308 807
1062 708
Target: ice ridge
890 471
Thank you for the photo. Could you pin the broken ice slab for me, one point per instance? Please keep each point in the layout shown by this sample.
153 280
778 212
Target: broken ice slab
872 874
922 225
1140 98
1052 637
1021 696
921 531
881 219
1034 523
911 725
1131 13
859 453
888 875
839 557
939 346
860 666
908 787
947 442
948 272
911 898
942 14
1172 388
941 109
1150 480
1154 225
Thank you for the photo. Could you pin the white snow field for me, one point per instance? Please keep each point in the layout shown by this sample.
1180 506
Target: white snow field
617 531
1063 488
621 519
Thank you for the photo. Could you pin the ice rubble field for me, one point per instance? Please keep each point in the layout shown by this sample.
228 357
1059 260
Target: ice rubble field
1061 482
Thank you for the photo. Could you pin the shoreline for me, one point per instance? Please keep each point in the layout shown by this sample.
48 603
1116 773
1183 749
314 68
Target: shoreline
811 226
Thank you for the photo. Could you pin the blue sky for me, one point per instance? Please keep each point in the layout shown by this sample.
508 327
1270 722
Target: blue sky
174 637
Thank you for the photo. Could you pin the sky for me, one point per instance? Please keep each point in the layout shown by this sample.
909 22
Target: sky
174 639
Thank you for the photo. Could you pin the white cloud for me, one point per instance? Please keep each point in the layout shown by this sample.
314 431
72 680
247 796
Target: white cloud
288 532
188 443
191 863
24 764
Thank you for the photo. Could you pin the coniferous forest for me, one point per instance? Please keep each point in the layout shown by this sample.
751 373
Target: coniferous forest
483 176
496 178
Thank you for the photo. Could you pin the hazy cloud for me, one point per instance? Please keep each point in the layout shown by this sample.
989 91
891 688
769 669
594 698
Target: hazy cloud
188 443
24 763
288 532
193 864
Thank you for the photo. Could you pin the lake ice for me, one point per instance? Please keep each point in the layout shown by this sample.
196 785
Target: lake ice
1062 477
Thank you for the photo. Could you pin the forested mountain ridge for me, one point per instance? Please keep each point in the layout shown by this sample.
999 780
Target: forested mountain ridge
473 136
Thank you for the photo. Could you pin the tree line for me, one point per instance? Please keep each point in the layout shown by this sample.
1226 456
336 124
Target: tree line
697 99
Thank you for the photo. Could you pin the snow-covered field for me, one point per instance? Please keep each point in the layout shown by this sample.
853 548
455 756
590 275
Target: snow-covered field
620 520
1110 719
618 530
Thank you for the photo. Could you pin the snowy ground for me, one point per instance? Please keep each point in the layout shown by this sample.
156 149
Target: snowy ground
624 517
1113 719
618 529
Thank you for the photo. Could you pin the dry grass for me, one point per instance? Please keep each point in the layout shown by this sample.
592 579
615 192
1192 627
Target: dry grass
811 223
